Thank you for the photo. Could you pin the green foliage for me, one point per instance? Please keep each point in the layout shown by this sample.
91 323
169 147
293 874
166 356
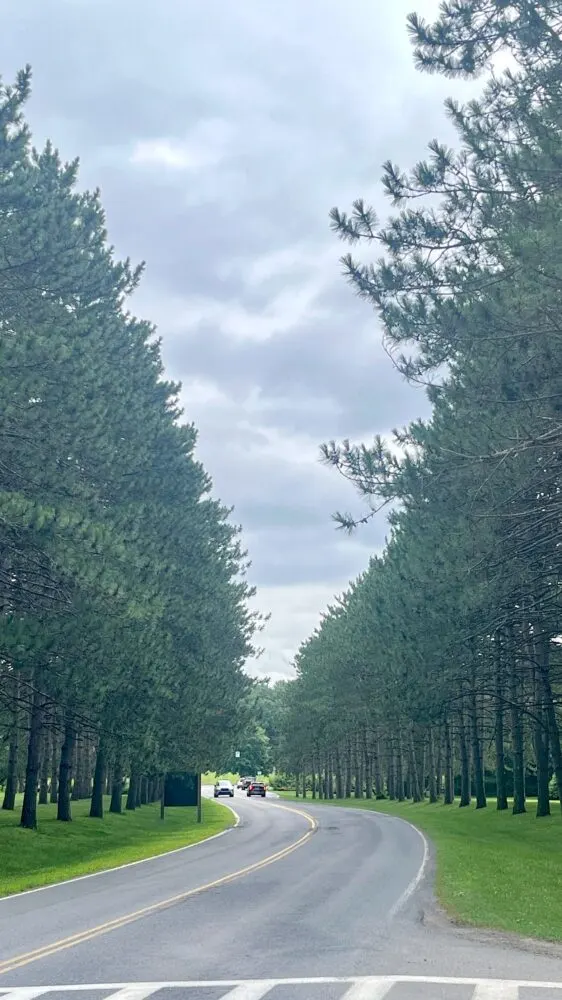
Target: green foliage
441 658
125 621
255 753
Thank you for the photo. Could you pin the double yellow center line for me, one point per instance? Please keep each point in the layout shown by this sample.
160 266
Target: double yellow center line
10 964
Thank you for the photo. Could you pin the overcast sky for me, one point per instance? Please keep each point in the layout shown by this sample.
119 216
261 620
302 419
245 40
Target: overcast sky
221 132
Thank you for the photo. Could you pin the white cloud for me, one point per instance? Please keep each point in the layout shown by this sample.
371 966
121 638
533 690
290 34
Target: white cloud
205 146
296 612
288 309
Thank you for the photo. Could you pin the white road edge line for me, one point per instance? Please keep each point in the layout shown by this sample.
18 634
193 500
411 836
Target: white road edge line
418 877
413 885
128 864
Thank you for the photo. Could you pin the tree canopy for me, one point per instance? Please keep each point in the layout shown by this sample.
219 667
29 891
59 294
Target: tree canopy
439 670
125 618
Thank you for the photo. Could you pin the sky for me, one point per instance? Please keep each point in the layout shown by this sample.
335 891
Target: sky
221 132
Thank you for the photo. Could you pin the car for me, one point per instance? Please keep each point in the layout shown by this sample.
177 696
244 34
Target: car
257 788
223 788
244 782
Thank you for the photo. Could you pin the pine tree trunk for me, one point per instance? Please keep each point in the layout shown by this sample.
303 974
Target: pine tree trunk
88 770
339 775
96 805
54 795
477 762
465 763
313 778
552 722
517 735
501 784
348 765
449 789
64 809
439 765
116 805
390 772
358 790
131 803
399 770
297 785
415 789
431 766
10 791
144 790
29 808
408 777
45 760
76 770
540 733
368 770
379 784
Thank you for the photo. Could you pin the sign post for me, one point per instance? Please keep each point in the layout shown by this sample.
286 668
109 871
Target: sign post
199 798
163 796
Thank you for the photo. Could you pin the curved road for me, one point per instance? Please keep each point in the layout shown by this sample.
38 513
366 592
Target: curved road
292 891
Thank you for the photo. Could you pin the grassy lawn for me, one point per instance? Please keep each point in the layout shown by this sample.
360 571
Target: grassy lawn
210 777
494 870
58 851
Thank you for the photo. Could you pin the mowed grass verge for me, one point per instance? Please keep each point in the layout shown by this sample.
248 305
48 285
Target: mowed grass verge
210 777
58 851
494 870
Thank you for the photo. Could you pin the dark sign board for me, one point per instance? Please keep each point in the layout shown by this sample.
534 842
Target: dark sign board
181 789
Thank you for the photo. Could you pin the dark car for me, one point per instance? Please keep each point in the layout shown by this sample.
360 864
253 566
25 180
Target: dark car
257 788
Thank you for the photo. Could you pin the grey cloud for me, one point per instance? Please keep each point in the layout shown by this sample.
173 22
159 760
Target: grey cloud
272 115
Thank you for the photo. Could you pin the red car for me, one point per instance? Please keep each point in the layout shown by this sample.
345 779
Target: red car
257 788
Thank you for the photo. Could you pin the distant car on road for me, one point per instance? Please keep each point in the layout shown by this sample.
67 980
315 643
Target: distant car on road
244 782
223 788
257 788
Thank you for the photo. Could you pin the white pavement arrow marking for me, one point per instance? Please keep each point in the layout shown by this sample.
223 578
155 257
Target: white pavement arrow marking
134 992
250 991
369 989
496 991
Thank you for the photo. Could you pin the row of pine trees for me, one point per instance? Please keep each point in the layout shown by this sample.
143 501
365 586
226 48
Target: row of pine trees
439 671
124 608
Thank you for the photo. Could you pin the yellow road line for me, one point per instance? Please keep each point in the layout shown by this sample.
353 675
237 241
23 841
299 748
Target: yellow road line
10 964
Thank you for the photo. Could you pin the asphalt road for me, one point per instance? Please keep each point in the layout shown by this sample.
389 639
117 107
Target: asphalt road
333 893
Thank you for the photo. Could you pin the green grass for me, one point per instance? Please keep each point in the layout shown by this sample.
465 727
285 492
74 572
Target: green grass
494 870
210 777
57 851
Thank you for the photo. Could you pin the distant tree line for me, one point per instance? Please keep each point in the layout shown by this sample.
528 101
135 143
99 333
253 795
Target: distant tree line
124 614
439 672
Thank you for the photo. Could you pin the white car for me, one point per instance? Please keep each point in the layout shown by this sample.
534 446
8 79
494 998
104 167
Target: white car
223 788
